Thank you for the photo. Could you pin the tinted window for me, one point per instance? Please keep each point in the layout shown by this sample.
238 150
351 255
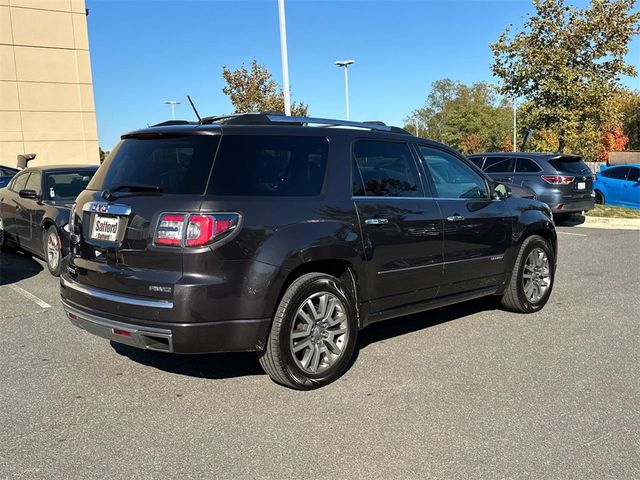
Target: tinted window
66 186
452 177
19 182
477 161
178 165
634 174
357 187
619 173
34 183
526 165
498 164
270 165
569 165
387 169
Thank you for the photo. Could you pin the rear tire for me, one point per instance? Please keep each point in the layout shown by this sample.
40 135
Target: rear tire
532 277
599 197
53 251
313 334
3 237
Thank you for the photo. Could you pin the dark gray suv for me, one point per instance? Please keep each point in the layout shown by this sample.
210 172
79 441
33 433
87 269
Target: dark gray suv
288 235
561 181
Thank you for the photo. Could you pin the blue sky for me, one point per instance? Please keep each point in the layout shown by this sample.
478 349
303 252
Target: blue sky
145 52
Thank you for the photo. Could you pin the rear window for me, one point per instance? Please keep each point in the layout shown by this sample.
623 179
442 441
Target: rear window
569 165
269 165
67 185
178 165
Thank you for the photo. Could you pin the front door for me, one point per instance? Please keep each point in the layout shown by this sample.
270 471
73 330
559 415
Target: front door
631 188
401 229
11 205
29 233
477 229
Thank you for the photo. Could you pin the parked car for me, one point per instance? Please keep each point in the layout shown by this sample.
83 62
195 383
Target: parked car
564 182
300 233
6 174
618 185
34 210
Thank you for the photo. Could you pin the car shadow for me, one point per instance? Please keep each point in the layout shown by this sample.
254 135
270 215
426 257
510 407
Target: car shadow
230 365
570 220
16 265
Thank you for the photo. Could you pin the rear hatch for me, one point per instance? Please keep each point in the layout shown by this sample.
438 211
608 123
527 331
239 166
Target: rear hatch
117 217
577 177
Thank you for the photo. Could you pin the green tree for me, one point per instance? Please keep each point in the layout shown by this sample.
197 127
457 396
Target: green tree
567 62
466 117
255 90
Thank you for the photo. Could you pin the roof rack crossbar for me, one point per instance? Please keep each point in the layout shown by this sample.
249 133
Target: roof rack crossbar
328 122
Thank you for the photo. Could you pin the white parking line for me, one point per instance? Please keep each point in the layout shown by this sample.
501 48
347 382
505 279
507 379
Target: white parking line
30 296
573 234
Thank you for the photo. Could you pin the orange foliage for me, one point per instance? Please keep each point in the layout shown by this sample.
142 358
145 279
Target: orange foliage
471 143
613 139
507 144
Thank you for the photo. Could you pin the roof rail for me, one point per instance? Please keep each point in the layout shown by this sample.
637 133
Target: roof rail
328 122
174 122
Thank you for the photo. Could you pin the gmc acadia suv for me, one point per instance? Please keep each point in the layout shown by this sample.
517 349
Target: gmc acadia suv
287 235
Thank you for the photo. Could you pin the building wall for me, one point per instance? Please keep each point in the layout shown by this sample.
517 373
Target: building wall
46 91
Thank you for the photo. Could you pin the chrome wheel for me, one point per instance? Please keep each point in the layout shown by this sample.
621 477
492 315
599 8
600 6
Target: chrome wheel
319 332
536 276
53 250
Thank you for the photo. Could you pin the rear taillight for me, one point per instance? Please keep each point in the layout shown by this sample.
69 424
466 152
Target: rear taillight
193 230
557 179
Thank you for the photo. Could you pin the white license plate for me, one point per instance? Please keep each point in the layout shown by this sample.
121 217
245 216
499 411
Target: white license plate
582 185
105 228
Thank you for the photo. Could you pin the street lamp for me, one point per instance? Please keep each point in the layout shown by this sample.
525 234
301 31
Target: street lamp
345 64
173 104
515 149
283 57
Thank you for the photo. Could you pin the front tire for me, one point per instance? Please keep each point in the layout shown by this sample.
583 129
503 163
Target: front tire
313 334
532 277
53 251
3 240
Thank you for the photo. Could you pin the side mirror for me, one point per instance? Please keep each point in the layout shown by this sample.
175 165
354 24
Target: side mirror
501 191
32 194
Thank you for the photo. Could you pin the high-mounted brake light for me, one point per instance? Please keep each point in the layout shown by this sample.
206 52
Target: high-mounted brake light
193 230
557 179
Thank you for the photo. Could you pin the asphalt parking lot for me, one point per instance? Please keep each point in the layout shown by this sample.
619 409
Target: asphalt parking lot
462 392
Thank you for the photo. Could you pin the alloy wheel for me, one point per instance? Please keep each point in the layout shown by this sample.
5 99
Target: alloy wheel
53 250
536 276
319 332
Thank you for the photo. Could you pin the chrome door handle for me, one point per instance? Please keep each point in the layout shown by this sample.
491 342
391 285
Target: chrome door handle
455 218
376 221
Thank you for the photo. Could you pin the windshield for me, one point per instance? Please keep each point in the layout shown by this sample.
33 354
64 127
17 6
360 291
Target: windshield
569 165
175 165
67 185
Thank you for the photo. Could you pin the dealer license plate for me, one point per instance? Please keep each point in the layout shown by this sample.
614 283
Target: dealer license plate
105 228
582 185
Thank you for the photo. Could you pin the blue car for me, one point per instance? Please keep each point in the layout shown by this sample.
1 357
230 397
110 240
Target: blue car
6 174
618 185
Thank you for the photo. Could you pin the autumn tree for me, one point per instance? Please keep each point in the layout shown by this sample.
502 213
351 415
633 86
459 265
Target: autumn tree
613 140
507 144
254 90
471 143
567 62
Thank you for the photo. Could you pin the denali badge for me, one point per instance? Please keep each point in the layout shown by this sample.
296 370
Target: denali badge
496 257
158 288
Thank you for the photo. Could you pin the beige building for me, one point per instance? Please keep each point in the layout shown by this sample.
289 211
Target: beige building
46 91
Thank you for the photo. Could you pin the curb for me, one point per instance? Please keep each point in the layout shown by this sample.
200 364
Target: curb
611 223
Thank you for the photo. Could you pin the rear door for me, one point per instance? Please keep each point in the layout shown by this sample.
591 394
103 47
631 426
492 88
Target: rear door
477 229
118 215
402 229
527 173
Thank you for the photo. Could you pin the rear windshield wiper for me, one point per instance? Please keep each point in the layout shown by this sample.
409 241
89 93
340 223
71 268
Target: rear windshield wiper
107 194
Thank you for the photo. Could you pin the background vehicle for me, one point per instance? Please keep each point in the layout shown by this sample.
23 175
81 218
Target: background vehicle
561 181
6 174
34 210
618 185
295 238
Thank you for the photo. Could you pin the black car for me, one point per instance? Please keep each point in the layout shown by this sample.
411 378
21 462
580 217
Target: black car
564 182
286 236
6 174
34 210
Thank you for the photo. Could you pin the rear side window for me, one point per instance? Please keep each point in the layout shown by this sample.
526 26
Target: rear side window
619 173
387 169
569 165
526 165
499 164
266 165
178 165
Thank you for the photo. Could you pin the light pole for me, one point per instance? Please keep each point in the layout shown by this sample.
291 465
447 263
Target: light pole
345 64
515 148
285 60
173 104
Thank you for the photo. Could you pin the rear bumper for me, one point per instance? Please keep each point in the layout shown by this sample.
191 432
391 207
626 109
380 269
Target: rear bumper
561 204
196 337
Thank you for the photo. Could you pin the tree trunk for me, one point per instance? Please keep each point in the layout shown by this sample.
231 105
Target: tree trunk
561 140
